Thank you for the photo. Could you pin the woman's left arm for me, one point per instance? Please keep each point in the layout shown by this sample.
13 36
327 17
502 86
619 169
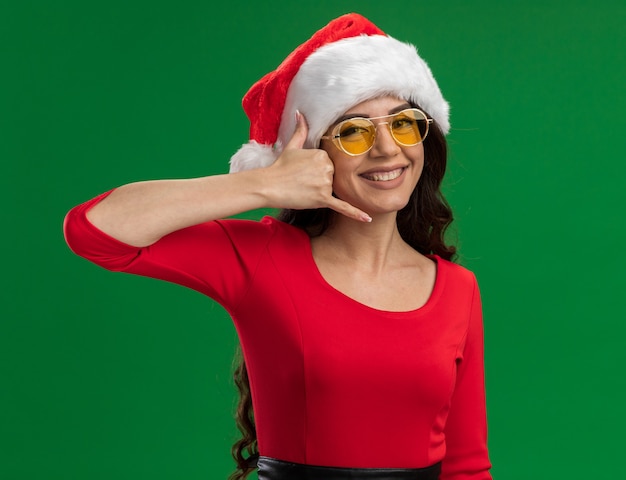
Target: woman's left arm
467 456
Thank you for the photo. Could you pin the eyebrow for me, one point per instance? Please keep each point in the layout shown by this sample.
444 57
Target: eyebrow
397 109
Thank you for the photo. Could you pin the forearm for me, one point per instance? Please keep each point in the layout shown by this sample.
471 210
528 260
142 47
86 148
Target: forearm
140 213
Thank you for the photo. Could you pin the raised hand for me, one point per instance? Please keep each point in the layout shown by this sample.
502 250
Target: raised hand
303 178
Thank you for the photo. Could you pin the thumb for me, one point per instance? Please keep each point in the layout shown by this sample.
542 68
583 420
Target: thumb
300 133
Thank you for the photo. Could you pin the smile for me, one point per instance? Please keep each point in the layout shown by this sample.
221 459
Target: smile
383 176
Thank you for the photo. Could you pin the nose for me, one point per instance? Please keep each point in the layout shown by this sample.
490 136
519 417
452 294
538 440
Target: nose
384 143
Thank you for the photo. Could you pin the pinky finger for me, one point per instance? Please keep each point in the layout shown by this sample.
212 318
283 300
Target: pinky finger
348 210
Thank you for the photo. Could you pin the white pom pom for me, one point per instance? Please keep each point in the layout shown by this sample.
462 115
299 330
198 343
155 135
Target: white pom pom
252 155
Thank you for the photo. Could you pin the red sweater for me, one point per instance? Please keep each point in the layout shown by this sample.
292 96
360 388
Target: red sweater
334 382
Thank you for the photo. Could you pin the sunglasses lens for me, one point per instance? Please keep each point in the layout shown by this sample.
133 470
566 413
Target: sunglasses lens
356 136
409 127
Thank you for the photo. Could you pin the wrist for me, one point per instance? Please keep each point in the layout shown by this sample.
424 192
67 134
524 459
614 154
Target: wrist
260 184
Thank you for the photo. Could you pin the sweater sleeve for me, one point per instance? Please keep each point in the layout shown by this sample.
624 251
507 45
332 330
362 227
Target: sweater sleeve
466 427
216 258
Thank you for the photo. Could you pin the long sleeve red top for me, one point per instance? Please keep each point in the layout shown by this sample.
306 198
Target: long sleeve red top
334 382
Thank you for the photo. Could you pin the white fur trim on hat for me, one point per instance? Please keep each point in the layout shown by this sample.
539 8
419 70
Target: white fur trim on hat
342 74
252 155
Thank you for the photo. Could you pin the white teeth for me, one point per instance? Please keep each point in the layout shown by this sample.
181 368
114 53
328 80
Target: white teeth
384 176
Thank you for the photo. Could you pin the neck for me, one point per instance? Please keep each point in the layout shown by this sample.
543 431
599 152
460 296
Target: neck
370 246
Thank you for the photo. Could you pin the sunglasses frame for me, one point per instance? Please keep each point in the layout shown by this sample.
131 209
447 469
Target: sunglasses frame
335 137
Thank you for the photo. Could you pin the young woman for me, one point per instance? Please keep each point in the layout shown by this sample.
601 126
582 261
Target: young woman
362 339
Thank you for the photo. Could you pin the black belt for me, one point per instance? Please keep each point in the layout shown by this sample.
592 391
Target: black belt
272 469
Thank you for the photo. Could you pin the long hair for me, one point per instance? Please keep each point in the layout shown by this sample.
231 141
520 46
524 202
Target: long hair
422 223
245 451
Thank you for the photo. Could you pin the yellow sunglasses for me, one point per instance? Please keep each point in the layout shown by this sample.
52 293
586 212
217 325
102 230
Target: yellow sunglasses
356 136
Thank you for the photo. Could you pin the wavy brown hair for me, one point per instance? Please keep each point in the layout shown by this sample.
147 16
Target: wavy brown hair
245 451
422 223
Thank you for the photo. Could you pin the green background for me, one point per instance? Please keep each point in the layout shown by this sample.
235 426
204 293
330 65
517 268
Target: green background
111 376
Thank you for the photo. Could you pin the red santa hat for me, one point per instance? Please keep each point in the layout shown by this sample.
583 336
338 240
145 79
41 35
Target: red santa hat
348 61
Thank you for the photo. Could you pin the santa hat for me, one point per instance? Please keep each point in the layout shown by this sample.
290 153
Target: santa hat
348 61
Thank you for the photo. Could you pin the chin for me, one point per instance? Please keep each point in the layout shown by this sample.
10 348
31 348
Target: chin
383 207
375 202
